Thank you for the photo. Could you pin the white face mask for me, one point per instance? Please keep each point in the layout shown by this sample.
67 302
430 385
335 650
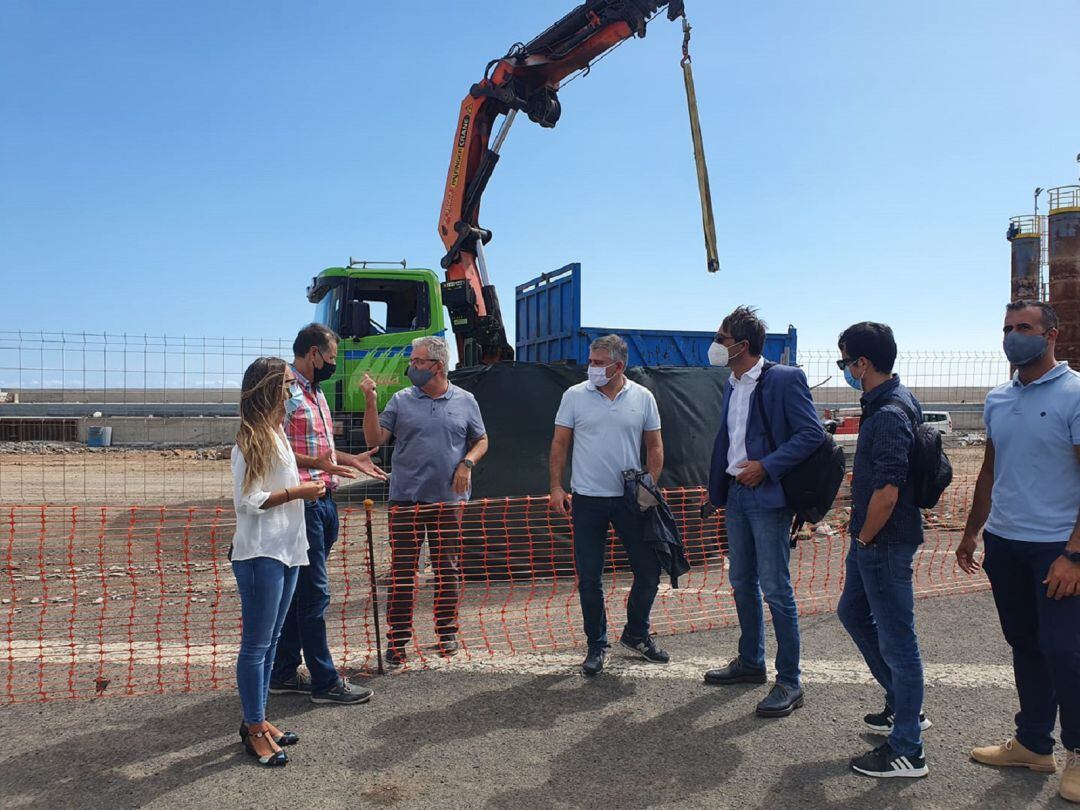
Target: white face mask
719 355
598 375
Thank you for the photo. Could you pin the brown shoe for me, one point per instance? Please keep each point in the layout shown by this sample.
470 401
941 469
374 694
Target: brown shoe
1070 779
1011 754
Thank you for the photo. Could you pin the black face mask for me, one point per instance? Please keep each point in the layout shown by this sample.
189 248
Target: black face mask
326 372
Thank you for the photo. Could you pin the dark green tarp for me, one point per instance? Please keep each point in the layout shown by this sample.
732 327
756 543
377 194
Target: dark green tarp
518 402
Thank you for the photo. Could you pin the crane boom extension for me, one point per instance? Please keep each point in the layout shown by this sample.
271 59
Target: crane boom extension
525 80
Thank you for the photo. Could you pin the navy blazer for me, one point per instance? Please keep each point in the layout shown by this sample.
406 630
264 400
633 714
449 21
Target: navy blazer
795 427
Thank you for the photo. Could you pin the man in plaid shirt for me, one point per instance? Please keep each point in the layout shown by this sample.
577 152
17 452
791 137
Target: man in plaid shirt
310 430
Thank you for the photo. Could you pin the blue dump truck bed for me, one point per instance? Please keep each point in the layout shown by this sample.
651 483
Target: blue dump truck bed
549 330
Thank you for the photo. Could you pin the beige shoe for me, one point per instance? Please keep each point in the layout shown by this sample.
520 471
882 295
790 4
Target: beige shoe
1011 754
1070 779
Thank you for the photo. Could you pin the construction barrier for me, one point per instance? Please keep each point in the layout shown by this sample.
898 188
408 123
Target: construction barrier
107 600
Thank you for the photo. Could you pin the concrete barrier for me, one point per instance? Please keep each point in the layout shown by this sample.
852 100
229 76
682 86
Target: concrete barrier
193 431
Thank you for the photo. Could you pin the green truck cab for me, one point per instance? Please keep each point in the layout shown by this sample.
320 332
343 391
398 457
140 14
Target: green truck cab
377 311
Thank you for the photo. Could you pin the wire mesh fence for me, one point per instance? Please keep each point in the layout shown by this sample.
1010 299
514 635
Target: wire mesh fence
166 409
113 570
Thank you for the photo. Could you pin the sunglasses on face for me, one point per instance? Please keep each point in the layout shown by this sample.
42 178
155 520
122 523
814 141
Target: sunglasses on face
843 364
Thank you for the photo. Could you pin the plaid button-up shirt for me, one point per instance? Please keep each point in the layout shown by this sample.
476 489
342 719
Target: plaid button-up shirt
311 430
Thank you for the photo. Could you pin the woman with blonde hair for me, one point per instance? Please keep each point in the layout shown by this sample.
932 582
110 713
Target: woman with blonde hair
269 545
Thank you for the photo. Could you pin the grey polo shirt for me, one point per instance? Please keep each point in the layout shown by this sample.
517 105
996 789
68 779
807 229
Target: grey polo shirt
607 434
431 437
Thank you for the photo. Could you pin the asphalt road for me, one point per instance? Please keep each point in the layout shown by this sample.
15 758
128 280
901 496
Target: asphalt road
535 735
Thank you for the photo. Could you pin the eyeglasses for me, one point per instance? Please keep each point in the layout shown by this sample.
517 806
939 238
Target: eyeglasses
843 364
414 360
720 338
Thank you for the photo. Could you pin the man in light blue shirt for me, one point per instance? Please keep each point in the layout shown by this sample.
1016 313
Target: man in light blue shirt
1028 497
608 417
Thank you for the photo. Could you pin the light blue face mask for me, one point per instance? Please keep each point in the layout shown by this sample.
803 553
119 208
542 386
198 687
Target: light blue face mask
851 379
1024 349
295 400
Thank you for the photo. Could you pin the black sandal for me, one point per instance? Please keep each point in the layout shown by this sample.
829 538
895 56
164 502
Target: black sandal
286 738
275 759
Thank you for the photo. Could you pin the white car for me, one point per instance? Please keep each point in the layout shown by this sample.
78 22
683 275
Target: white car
942 420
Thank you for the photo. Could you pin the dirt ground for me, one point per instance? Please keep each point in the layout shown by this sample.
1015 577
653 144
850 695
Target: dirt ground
72 474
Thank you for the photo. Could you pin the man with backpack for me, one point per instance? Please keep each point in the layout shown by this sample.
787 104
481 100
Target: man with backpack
768 427
877 606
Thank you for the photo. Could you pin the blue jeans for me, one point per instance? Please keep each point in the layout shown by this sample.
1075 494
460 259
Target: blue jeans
1045 638
759 549
266 589
305 626
591 518
877 608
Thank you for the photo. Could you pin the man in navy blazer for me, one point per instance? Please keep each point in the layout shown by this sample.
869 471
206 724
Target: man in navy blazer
750 457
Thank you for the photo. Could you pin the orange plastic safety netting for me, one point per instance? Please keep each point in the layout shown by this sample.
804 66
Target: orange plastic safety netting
109 600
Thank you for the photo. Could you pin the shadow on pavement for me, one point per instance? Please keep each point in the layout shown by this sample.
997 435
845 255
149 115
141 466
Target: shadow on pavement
628 761
131 765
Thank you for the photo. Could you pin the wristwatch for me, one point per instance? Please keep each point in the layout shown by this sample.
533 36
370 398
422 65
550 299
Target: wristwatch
1072 556
468 462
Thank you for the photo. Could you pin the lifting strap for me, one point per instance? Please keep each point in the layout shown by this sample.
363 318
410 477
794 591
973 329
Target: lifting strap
707 221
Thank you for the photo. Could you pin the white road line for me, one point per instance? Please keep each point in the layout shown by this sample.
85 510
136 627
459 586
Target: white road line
815 671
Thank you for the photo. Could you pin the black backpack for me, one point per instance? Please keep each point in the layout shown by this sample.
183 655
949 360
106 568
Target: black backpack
930 470
811 486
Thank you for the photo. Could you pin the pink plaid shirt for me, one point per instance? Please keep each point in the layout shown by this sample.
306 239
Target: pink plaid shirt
311 430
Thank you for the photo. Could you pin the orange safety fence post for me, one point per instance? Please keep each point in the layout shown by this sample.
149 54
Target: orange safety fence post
368 526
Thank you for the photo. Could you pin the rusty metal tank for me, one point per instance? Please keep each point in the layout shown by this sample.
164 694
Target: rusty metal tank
1025 236
1063 227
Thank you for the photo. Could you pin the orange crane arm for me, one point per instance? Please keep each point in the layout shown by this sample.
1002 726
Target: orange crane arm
525 80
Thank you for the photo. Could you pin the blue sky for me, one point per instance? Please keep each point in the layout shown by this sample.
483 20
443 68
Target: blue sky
185 168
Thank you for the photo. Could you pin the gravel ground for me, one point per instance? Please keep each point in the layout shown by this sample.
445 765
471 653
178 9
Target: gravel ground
521 739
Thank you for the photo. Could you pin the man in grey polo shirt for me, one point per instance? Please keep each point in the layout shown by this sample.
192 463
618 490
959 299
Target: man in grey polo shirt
439 436
1028 497
607 417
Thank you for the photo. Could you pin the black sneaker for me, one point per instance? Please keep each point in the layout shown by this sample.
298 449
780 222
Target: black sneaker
594 661
298 684
883 722
395 656
646 648
884 763
344 693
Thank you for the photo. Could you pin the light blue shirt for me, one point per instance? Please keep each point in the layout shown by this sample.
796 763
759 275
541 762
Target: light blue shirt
607 434
1035 428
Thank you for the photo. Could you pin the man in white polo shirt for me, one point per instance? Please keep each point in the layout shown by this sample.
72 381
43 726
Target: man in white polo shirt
607 417
1028 497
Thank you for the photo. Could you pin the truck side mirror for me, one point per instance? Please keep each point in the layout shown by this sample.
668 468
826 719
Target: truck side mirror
359 320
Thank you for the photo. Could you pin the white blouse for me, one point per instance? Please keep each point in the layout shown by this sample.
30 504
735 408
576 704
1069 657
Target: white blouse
278 532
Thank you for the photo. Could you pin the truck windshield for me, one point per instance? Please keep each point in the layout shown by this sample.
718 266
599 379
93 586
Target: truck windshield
397 305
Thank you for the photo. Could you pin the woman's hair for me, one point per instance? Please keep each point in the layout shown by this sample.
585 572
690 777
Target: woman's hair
260 404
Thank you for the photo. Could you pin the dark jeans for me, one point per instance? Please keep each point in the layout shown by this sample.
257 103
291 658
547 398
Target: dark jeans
759 549
1045 638
409 523
591 518
877 608
305 625
266 590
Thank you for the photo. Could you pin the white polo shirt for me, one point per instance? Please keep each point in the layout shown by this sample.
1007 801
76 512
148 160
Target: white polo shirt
607 434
